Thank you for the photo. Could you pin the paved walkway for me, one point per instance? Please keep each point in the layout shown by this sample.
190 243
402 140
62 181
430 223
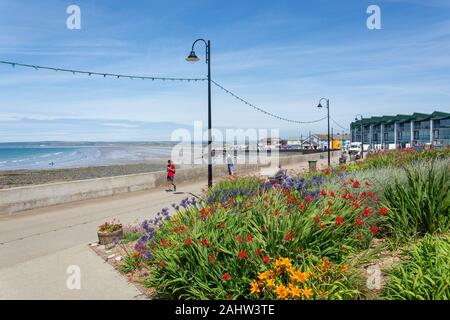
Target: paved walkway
38 246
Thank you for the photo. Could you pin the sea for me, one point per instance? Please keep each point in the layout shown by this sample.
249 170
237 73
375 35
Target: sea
60 155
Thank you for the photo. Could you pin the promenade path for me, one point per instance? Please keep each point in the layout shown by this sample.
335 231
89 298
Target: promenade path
37 246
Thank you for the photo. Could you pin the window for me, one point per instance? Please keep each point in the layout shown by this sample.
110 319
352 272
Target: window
436 134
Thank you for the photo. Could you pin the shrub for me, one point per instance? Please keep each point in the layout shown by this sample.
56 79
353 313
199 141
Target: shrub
207 251
420 203
425 273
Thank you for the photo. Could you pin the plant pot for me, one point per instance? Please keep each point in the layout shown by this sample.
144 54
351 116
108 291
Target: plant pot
105 238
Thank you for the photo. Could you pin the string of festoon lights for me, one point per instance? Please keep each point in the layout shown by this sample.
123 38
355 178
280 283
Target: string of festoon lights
340 126
154 78
262 110
93 73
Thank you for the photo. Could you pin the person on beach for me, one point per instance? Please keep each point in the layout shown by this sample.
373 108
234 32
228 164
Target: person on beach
170 175
230 164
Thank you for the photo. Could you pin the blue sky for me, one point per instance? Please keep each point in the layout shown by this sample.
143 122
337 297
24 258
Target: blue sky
280 55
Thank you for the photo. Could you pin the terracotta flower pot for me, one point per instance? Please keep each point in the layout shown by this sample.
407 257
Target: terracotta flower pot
109 237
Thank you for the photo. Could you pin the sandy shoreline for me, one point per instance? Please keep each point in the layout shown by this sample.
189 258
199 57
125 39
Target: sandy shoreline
17 178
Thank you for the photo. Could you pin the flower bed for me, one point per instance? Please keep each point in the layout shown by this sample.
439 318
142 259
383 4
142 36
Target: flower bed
301 239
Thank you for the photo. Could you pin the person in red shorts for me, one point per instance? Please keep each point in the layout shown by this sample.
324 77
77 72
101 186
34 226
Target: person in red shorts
170 175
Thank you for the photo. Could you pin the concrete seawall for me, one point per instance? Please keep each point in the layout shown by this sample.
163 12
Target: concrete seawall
18 199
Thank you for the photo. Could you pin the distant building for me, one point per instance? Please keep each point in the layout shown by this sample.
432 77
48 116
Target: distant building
401 131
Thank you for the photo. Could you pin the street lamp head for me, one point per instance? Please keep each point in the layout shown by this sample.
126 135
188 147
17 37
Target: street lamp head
192 57
320 106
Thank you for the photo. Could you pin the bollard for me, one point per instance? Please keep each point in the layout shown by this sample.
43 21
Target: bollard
312 165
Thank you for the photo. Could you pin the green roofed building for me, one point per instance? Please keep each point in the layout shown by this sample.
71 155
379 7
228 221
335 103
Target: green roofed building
402 131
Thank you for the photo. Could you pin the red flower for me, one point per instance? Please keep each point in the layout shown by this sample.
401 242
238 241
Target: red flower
242 254
136 255
367 211
230 200
266 197
276 212
226 276
288 237
239 239
266 259
266 206
358 222
347 196
323 192
162 264
373 229
317 219
330 203
221 224
339 220
212 258
327 211
367 183
163 243
308 199
258 252
188 242
205 242
356 184
332 194
327 171
301 207
384 211
356 204
323 225
249 238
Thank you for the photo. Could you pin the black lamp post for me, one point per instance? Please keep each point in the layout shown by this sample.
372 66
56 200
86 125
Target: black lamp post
328 116
193 58
362 134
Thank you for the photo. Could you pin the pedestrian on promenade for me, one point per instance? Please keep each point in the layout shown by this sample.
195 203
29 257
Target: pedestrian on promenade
170 175
230 164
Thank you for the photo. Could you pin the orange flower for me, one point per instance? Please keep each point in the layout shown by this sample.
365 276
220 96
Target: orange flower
295 292
270 283
254 287
300 276
281 291
262 276
307 292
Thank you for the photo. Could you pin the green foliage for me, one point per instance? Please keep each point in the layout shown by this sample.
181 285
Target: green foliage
131 236
131 263
398 158
419 204
241 236
424 274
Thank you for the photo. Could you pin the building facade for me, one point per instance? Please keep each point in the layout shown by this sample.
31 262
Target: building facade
402 131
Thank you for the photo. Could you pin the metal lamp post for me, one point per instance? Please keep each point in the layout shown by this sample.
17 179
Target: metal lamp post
193 58
328 136
362 134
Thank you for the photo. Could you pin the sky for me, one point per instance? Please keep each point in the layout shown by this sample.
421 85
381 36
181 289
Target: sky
282 56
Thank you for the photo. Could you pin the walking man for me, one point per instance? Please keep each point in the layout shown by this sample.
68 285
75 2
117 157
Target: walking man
230 164
170 175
